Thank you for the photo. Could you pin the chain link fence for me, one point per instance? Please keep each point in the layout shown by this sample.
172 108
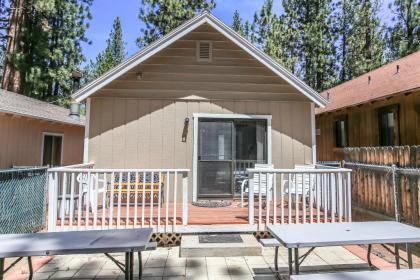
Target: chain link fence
23 193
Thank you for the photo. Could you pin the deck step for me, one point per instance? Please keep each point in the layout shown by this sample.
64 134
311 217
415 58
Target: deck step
247 245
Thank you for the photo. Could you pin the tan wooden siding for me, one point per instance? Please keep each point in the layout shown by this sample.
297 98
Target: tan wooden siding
21 141
175 72
138 133
363 125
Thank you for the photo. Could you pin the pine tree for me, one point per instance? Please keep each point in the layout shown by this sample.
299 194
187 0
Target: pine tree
265 23
316 42
365 50
237 23
345 15
113 54
160 17
4 18
44 47
404 35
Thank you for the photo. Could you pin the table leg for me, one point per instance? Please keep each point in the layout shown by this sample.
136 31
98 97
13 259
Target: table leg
1 268
140 264
31 270
276 259
131 265
290 261
368 255
127 266
297 260
397 256
409 256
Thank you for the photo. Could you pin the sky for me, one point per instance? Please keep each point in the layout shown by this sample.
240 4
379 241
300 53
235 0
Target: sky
105 11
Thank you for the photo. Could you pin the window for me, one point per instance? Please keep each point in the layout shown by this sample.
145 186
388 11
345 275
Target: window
341 137
388 126
52 149
204 51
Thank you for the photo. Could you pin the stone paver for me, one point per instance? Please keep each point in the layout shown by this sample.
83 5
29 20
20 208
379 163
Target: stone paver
164 263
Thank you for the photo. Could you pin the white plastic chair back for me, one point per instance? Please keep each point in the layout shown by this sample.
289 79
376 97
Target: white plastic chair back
302 183
266 179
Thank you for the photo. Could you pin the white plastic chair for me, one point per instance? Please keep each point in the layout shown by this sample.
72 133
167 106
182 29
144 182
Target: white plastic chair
82 178
265 182
301 184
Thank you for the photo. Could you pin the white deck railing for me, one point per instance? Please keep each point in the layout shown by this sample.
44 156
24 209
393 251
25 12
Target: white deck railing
82 198
318 195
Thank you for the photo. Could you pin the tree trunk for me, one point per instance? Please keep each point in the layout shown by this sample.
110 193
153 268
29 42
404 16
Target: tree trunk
12 77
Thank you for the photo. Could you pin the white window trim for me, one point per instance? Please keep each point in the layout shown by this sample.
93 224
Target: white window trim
42 145
197 116
313 132
210 51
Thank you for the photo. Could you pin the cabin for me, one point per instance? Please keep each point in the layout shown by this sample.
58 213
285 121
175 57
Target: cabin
195 120
36 133
379 108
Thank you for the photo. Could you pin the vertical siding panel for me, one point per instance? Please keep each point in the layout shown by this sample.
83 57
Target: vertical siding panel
104 158
95 128
239 107
181 112
287 141
118 147
168 134
156 134
131 133
143 147
307 130
276 133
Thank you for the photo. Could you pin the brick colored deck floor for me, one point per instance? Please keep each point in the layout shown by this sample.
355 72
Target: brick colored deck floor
234 214
165 263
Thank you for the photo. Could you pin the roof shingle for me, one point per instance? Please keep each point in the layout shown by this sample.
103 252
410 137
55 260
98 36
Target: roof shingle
18 104
384 81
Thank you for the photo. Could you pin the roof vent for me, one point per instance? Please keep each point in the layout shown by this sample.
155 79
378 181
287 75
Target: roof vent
204 51
369 80
398 69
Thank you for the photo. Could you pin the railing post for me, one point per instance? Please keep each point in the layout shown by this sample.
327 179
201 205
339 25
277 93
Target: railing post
51 197
349 196
185 198
251 197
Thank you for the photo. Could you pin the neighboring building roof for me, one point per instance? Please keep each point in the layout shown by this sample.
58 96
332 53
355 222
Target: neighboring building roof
184 29
384 82
18 104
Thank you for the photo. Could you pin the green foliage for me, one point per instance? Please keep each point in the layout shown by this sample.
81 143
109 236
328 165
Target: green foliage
404 36
113 54
237 23
160 17
51 47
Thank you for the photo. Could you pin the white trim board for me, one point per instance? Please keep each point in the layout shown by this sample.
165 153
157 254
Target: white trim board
86 139
187 27
197 116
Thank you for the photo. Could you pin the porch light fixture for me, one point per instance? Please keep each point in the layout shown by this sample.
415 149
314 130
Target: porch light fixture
185 130
139 76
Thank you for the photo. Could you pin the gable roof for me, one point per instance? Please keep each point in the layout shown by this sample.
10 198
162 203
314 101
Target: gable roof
384 82
18 104
190 25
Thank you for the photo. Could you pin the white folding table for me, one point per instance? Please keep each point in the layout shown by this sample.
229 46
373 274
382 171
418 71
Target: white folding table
127 241
296 236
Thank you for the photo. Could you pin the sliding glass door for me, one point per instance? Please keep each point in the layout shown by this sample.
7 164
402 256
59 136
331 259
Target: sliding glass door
226 148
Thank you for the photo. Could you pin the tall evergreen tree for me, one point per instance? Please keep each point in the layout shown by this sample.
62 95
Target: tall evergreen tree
316 49
237 23
345 15
160 17
44 47
113 54
404 35
366 47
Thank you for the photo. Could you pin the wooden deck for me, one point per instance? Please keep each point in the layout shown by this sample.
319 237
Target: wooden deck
231 215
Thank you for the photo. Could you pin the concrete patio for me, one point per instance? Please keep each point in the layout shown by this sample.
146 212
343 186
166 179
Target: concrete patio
164 263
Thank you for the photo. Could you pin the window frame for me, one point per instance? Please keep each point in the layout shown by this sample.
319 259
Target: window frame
346 129
43 145
395 109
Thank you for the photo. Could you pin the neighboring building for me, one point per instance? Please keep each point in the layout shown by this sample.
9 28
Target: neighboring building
204 98
34 133
379 108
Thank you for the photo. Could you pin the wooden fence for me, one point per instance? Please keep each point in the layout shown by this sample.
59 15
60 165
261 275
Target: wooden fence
384 177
